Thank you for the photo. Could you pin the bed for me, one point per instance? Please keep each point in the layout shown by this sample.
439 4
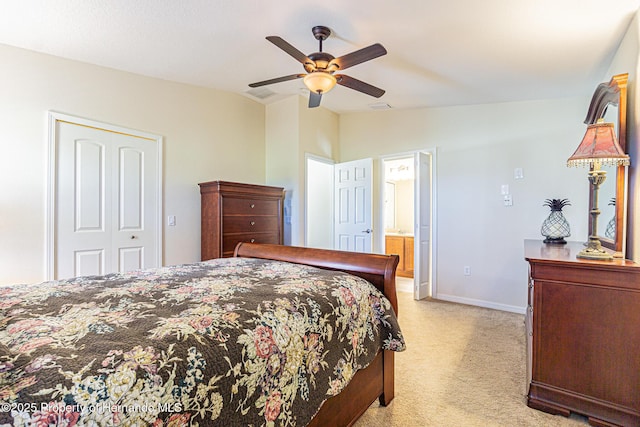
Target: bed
276 335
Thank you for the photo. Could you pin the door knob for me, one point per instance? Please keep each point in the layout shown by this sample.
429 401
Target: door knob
134 237
368 231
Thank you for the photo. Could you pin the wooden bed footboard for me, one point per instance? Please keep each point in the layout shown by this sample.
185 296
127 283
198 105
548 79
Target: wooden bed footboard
376 381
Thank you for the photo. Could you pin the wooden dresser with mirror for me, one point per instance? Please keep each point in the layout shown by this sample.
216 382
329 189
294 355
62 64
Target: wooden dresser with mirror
583 316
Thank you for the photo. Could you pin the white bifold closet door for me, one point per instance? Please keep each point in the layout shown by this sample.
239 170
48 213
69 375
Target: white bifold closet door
106 192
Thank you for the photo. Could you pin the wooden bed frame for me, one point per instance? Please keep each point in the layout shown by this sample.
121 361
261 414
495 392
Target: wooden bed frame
376 380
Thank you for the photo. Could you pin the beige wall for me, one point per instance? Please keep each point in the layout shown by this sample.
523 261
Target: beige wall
478 148
282 148
404 205
293 130
208 135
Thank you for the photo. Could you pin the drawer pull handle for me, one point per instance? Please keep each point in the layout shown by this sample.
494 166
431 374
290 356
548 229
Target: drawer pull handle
252 223
252 205
252 240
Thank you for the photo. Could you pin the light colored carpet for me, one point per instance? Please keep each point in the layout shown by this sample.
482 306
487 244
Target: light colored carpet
464 366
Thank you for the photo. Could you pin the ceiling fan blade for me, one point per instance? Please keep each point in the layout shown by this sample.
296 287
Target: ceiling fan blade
314 99
359 85
359 56
287 47
277 80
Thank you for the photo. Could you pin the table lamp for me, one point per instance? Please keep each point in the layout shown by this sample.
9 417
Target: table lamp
598 147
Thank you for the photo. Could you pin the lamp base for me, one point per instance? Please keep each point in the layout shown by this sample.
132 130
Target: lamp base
594 251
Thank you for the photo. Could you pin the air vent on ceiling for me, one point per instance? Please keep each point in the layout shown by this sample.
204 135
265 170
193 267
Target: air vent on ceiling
261 92
380 106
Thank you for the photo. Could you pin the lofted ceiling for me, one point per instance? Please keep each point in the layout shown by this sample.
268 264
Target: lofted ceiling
440 53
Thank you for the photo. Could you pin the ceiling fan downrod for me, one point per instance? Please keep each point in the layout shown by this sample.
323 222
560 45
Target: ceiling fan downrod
321 33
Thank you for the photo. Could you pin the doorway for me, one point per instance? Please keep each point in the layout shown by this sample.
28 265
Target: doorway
407 216
319 202
320 216
338 204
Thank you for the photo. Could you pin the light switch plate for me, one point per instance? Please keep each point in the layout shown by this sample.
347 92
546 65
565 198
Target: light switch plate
518 173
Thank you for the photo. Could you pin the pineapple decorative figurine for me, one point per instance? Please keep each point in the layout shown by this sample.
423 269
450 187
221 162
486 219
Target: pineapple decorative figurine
610 231
556 227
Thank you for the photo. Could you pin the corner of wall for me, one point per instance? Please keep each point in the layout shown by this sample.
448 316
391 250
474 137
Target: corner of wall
627 60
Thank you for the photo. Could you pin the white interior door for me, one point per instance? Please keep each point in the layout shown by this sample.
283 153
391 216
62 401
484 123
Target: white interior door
106 213
422 231
353 205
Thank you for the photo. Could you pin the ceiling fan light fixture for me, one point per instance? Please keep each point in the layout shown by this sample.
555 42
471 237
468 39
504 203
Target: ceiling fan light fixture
319 82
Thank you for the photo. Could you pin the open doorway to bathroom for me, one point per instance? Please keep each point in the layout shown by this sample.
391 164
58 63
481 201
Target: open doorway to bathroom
408 215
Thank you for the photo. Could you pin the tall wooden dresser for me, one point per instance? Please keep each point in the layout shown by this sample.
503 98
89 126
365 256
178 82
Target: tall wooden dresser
583 330
234 212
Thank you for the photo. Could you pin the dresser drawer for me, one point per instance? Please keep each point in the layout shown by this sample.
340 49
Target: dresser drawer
229 241
250 223
249 206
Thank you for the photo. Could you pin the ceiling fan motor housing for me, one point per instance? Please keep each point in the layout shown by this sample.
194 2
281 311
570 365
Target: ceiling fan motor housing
321 61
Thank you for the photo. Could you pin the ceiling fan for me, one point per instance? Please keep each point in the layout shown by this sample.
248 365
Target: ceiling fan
321 66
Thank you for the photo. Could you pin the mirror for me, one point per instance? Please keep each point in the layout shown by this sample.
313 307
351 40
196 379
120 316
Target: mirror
389 205
609 101
607 197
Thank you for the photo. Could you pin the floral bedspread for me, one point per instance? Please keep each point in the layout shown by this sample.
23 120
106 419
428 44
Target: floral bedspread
233 341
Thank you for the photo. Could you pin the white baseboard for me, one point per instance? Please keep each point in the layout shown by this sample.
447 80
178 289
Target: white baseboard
404 284
481 303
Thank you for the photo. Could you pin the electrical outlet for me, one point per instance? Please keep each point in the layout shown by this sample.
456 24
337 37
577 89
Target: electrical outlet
467 270
508 200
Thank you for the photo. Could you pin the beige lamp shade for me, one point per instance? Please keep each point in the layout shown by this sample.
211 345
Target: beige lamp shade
319 82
